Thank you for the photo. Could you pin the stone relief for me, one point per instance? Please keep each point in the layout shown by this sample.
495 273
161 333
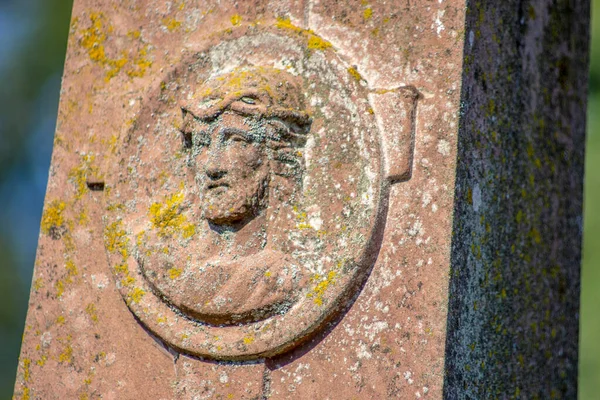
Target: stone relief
248 199
243 137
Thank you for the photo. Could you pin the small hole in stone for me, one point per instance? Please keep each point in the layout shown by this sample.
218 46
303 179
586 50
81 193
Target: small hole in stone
95 186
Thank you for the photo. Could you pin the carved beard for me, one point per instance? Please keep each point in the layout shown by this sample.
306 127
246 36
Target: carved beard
237 204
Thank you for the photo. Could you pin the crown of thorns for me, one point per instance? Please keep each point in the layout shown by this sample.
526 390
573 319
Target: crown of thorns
265 93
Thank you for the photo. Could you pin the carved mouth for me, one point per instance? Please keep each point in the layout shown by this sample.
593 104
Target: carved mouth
217 185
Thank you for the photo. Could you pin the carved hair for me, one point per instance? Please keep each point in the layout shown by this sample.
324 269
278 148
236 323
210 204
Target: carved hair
272 99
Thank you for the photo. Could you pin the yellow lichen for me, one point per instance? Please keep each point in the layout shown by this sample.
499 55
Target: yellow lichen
26 371
316 43
60 288
92 312
60 320
121 269
78 175
236 19
93 39
168 219
171 24
115 239
301 219
322 284
141 63
71 271
42 361
355 74
134 34
53 217
249 339
136 295
174 273
127 281
67 355
286 23
83 218
367 13
38 284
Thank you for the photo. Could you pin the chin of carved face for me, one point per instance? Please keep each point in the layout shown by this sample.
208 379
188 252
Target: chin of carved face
234 172
228 205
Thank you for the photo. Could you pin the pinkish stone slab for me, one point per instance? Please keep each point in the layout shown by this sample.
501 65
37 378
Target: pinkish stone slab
255 199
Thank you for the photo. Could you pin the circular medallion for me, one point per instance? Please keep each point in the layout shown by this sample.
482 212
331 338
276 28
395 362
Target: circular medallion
247 199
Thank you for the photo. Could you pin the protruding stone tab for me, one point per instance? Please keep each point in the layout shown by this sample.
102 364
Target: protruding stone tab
395 112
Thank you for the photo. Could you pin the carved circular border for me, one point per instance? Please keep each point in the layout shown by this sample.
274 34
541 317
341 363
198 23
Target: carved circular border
337 284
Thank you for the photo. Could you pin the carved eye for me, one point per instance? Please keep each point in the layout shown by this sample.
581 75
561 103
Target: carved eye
248 100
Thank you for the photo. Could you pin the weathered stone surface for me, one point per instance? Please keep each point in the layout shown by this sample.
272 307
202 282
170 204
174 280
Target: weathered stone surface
256 200
513 315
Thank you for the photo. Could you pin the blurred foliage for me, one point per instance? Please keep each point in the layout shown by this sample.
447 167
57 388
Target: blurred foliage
38 55
589 350
34 34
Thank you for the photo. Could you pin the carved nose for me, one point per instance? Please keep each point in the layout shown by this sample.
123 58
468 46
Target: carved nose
214 171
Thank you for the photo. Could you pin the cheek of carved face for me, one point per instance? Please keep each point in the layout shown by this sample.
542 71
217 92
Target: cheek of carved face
235 176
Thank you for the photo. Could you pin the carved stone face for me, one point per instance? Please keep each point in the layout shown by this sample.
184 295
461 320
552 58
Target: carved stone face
241 127
233 170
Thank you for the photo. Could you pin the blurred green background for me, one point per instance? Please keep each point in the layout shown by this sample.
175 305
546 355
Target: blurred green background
32 48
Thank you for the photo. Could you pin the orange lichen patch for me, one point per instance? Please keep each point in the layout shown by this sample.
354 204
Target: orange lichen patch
53 217
236 19
167 217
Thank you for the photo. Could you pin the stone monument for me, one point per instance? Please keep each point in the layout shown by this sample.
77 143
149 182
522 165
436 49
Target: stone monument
313 199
